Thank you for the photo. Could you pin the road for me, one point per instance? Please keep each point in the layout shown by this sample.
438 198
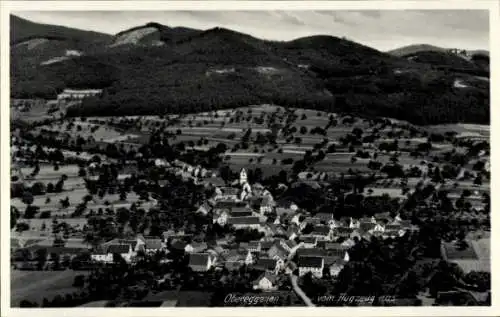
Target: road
299 291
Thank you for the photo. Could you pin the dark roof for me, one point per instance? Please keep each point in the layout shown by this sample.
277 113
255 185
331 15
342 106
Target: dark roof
310 261
334 246
178 244
277 250
266 245
393 227
405 223
310 252
243 220
119 248
266 264
366 226
198 259
241 213
133 243
253 244
343 230
321 230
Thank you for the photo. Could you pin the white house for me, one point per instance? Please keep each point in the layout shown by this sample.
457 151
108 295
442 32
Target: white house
78 94
312 264
244 222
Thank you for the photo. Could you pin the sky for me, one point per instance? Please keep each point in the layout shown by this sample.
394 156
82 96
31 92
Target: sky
381 29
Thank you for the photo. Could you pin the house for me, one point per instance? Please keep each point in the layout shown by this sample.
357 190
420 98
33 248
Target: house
267 204
274 230
254 246
153 245
353 223
348 243
78 94
292 232
265 282
106 256
324 217
201 262
301 252
196 247
278 252
288 245
342 232
312 264
321 232
203 209
237 258
266 264
309 241
470 255
336 266
244 222
221 217
281 211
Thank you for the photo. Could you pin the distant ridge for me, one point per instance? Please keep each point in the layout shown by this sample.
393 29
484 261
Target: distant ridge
157 69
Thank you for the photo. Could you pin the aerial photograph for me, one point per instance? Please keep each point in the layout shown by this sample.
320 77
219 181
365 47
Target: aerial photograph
315 158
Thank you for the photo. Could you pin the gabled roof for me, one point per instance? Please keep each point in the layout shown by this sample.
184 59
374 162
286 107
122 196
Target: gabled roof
119 248
272 278
321 230
366 226
454 252
343 230
265 263
323 216
153 244
198 259
241 213
254 244
243 220
178 244
310 252
310 261
277 250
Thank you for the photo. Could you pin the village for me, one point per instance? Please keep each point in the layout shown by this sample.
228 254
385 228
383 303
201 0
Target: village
290 221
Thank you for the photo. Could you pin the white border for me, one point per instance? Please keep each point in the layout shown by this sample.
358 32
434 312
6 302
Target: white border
8 6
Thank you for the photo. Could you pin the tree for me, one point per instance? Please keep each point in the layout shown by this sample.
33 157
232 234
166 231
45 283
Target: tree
478 180
38 188
27 198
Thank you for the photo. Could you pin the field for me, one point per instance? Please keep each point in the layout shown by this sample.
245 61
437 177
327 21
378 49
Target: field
37 285
202 131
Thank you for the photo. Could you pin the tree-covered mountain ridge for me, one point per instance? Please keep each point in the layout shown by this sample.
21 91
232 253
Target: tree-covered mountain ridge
157 69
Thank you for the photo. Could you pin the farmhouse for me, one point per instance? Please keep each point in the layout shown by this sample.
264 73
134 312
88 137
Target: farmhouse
201 262
78 94
244 222
312 264
266 264
265 282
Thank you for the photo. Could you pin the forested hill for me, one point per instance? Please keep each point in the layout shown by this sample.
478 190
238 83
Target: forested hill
156 69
